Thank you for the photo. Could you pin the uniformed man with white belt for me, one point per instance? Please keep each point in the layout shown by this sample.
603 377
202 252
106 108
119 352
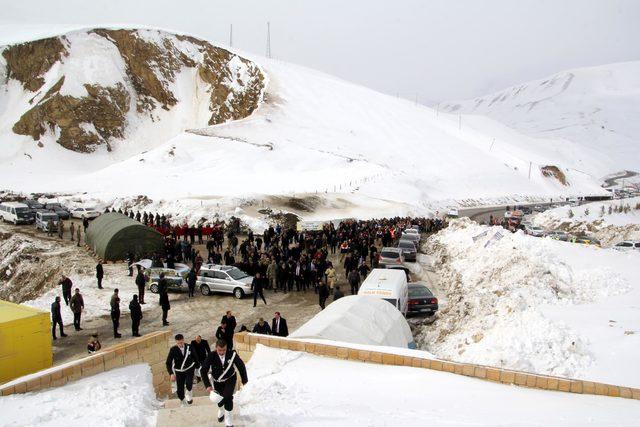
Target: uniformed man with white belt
223 363
181 364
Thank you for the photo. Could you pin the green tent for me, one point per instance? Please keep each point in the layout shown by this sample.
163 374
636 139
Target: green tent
112 235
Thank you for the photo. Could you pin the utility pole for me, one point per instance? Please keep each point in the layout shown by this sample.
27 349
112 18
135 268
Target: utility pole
492 142
529 170
231 35
268 40
459 121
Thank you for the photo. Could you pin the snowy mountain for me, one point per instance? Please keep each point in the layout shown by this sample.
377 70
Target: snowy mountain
330 142
591 111
94 88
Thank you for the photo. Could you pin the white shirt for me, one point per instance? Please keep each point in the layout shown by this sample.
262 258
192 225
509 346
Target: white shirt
182 349
277 325
222 359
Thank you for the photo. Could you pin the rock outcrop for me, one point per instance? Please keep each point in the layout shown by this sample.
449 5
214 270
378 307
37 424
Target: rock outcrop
85 106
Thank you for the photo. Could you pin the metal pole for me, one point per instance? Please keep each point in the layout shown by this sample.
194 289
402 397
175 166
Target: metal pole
231 35
268 40
529 170
492 142
459 121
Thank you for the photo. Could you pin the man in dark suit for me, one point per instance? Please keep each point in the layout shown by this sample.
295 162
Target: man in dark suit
181 363
56 319
231 327
200 350
279 326
223 363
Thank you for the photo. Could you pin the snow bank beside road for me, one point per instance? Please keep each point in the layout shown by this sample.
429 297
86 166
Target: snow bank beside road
120 397
291 388
594 218
508 295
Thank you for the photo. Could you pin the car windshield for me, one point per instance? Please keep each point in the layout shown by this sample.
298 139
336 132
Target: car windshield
406 245
22 210
387 254
237 274
419 291
50 216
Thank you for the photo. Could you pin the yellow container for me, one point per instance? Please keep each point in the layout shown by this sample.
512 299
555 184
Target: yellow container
25 340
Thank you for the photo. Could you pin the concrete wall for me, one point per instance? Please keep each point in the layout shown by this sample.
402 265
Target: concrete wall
151 349
245 344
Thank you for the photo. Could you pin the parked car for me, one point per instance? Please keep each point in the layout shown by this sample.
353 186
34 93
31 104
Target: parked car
534 230
586 240
182 269
421 299
557 235
526 210
175 282
408 249
453 213
224 278
43 218
391 256
388 285
539 208
59 210
33 204
401 267
627 245
414 237
82 213
415 227
17 213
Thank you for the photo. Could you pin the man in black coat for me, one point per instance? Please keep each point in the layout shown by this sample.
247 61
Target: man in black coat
136 315
115 313
56 319
191 282
99 273
164 299
261 327
201 351
66 285
279 326
140 283
181 363
256 287
222 363
231 326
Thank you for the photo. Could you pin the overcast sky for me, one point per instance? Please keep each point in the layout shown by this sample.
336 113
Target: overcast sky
437 49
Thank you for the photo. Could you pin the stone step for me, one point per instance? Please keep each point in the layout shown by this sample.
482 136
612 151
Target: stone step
198 414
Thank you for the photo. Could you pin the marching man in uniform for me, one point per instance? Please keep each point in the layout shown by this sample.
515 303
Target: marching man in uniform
222 363
181 364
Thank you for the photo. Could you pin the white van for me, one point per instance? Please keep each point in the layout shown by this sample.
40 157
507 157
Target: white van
17 213
389 285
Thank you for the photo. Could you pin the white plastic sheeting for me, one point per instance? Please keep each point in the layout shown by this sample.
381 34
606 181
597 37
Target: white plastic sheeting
360 320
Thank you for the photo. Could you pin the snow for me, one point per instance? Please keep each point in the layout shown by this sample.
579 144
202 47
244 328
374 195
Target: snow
535 304
313 135
290 388
96 301
120 397
590 113
358 319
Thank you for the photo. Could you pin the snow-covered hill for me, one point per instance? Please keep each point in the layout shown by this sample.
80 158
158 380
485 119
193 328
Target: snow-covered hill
312 133
593 112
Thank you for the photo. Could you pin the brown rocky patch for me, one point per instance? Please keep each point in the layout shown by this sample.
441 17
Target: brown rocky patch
554 172
28 62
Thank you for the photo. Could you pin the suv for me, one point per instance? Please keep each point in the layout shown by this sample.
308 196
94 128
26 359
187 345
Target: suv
61 211
43 218
224 278
408 249
175 282
391 256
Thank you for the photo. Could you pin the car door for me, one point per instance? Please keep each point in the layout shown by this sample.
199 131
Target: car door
221 281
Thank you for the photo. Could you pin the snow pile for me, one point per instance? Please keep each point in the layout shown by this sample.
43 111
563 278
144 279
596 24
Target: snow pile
611 221
359 320
496 287
289 388
120 397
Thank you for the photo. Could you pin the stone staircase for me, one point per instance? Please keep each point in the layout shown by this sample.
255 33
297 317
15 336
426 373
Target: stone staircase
202 412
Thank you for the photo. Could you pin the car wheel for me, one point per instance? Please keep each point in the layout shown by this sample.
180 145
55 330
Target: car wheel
204 290
238 293
154 288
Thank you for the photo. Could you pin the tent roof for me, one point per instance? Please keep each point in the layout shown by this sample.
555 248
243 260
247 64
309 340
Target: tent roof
10 311
103 229
360 320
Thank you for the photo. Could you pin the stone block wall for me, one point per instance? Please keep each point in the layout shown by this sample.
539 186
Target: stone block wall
245 344
150 348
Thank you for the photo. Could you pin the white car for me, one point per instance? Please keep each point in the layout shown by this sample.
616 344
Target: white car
453 213
224 278
627 245
534 230
82 213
